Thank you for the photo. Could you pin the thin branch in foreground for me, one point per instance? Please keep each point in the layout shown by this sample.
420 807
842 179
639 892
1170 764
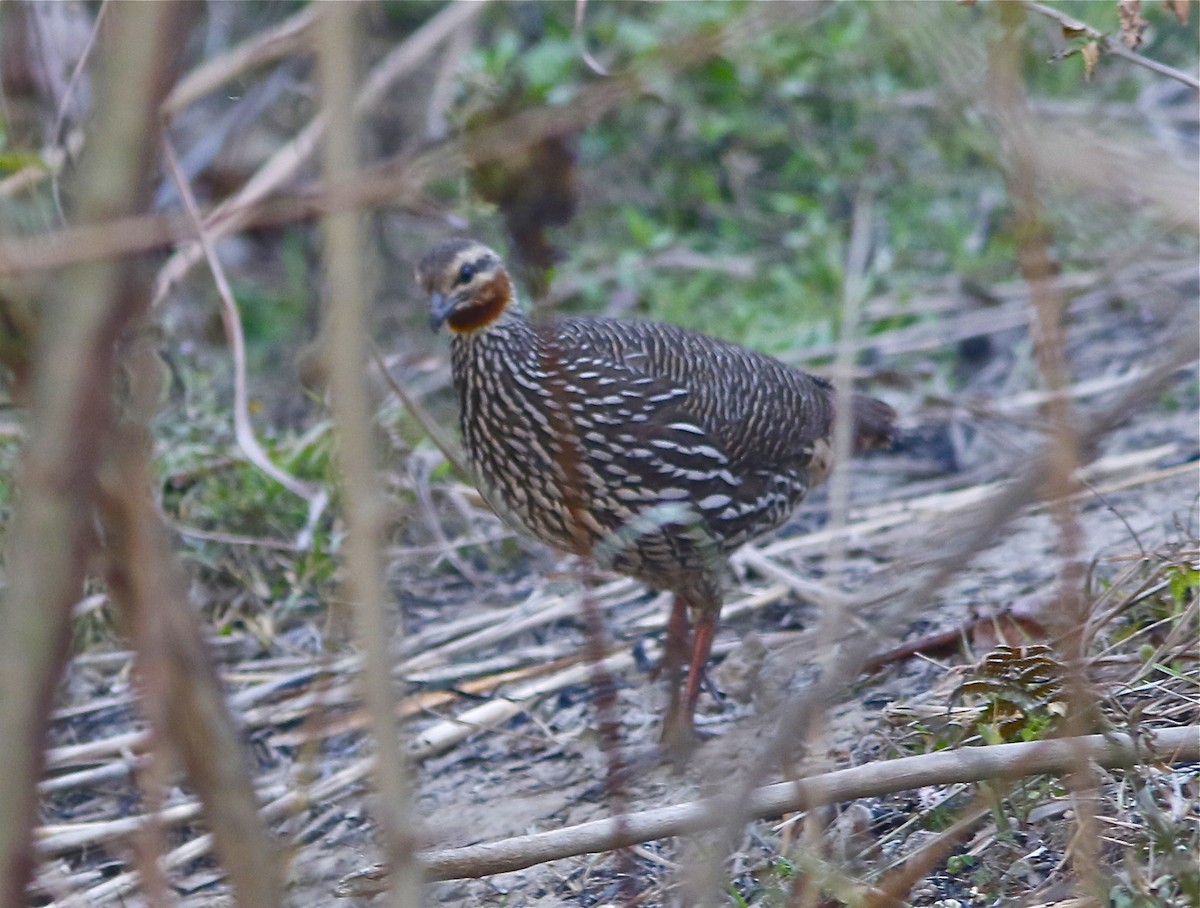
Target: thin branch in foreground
182 695
53 529
968 764
345 304
232 214
289 36
1048 308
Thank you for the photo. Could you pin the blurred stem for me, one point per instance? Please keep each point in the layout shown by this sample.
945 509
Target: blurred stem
362 496
181 693
1010 110
87 309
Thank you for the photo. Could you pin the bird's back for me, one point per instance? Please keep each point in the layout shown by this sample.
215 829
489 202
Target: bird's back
756 409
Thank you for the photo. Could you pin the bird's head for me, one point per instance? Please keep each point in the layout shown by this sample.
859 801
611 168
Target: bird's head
467 285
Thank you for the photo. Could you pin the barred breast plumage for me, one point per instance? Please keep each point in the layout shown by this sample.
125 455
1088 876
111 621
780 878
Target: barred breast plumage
655 449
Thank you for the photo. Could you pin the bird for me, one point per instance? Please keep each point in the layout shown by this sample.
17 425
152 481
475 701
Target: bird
654 449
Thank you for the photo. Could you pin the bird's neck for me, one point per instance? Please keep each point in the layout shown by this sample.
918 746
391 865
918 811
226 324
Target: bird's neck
490 302
510 326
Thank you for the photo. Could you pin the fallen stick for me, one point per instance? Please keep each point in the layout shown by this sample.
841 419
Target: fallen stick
967 764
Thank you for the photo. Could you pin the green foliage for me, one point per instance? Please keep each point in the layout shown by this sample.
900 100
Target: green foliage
1183 582
958 863
757 155
12 160
274 314
208 486
766 887
10 450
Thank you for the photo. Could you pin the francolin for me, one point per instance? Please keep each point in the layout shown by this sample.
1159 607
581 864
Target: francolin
654 449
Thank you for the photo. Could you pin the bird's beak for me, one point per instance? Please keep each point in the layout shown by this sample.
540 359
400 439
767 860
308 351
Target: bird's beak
440 308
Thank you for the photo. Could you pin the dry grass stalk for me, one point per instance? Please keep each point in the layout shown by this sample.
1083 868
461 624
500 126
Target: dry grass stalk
892 514
231 215
292 35
835 609
1086 294
443 442
181 694
1049 307
72 412
345 328
231 320
1174 745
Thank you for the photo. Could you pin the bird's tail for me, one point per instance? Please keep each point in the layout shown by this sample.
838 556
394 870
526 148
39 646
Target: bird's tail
874 423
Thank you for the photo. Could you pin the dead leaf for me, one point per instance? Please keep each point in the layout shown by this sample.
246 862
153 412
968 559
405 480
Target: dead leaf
1020 624
1133 26
1179 8
997 630
1091 56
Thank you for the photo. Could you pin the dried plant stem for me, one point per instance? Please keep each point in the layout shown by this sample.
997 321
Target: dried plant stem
834 608
346 298
289 36
443 442
77 75
604 697
896 886
233 213
968 764
231 319
855 287
52 531
1060 484
181 693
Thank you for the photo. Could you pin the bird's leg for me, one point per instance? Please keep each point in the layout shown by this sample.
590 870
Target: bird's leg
675 647
679 732
675 651
706 628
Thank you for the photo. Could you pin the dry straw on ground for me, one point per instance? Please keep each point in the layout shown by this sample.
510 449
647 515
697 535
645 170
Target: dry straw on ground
496 697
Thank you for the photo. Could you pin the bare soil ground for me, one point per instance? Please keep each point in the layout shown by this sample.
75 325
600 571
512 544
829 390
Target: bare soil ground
487 622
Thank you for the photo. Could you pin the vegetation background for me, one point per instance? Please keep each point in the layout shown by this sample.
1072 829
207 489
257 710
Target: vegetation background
796 177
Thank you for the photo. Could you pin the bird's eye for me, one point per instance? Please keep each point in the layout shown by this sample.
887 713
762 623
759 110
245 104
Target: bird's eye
465 274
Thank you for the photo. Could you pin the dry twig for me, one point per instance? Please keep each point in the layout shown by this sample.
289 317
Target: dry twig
1073 26
971 764
53 528
231 319
232 214
289 36
345 305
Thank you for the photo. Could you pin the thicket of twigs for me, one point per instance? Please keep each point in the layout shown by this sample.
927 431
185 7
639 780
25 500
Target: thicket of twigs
257 634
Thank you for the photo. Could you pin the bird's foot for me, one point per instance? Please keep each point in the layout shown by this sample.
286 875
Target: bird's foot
680 739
